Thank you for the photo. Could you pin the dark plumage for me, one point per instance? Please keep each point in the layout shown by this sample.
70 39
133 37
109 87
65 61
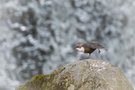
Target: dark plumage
88 47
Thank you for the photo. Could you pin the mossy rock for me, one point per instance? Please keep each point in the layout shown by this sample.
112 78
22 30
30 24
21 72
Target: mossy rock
82 75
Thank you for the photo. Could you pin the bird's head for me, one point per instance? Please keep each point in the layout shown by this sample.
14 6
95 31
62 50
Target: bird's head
79 47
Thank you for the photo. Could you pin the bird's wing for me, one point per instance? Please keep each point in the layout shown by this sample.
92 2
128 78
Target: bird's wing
95 45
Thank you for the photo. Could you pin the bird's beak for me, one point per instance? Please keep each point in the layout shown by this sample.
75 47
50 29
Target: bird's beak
77 49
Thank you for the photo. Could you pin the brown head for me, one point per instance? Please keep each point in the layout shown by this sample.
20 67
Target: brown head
80 47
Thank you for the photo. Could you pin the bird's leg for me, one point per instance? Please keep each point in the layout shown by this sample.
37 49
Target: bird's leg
99 51
89 55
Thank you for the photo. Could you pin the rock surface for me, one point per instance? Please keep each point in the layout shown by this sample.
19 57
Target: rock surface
82 75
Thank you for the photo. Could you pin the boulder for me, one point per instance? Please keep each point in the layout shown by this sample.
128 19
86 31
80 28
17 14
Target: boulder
81 75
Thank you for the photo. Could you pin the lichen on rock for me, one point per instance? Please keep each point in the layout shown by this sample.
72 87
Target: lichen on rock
82 75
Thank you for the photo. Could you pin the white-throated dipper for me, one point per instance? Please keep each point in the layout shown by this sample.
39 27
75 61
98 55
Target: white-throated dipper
88 47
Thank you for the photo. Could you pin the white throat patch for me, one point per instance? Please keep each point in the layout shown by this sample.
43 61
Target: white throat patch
80 49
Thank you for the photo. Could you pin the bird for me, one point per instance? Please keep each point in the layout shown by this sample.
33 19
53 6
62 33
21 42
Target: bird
88 47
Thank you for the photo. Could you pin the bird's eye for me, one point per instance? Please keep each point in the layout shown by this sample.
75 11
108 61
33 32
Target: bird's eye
77 46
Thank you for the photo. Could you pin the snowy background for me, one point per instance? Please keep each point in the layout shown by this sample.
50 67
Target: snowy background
37 36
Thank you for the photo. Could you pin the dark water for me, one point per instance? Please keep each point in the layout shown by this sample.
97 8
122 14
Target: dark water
37 36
